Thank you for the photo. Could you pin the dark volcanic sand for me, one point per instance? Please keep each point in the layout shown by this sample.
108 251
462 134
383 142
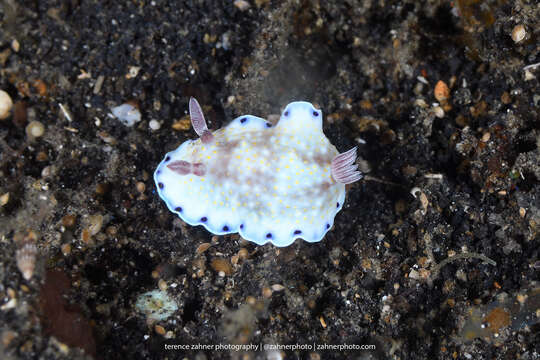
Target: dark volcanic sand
83 192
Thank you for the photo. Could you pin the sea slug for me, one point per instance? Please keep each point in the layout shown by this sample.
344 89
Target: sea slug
270 183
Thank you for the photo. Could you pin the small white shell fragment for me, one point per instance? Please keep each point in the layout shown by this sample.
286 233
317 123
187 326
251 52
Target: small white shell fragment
154 125
269 183
127 114
5 104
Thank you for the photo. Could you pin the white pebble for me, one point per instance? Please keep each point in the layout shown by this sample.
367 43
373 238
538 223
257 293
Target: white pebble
127 114
154 125
5 104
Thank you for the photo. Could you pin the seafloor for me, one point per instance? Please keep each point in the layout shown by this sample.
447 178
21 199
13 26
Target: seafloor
434 255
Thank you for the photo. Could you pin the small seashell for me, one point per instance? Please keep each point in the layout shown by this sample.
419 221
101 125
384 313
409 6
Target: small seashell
441 92
95 222
518 33
5 104
35 129
26 258
127 114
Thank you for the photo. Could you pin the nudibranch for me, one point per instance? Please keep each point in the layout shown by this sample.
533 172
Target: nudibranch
270 183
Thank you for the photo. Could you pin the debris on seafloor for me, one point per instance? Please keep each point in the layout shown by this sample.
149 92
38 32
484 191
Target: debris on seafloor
156 304
128 114
256 193
508 313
